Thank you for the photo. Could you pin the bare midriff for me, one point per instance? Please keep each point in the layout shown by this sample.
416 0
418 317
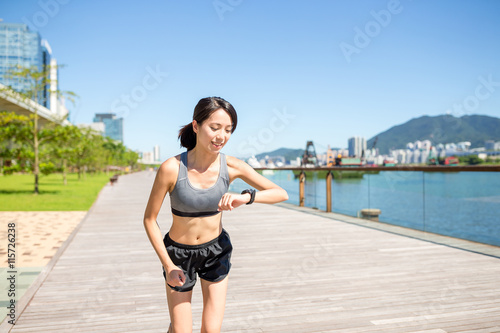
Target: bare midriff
195 230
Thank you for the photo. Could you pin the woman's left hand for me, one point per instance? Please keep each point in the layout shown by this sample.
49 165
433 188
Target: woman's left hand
229 201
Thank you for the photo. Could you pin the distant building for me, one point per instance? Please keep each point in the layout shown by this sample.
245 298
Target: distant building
424 156
426 145
19 46
400 155
156 153
254 163
113 125
492 145
322 159
489 145
295 162
417 145
463 146
356 146
97 128
147 157
150 157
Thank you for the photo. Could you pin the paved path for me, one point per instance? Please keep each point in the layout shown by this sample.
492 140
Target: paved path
292 272
38 236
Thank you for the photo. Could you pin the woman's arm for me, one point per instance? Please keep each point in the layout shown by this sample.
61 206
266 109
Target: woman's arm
268 192
162 183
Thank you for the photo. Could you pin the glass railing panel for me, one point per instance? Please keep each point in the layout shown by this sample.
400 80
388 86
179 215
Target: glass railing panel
311 187
349 192
399 196
282 178
463 205
457 204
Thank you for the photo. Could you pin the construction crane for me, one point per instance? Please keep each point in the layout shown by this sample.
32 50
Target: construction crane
309 158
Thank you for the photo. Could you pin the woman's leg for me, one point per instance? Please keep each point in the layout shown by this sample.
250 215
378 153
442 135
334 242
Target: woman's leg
179 307
214 303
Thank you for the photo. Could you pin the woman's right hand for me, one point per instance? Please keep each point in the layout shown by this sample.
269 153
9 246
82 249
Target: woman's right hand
175 276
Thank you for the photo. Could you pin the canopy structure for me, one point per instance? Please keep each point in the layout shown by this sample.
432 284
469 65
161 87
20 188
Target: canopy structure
14 102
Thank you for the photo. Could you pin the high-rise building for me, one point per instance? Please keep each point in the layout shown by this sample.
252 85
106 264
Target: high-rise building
489 145
19 46
113 125
356 146
156 153
97 128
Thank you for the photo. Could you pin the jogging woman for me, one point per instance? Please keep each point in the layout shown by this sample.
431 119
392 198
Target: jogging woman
197 182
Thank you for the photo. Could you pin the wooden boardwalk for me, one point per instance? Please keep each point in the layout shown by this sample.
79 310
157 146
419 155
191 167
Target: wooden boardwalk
292 272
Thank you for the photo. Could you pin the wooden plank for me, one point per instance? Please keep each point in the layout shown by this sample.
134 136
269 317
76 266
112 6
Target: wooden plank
292 272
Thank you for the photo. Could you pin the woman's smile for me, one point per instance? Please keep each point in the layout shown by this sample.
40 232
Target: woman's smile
217 145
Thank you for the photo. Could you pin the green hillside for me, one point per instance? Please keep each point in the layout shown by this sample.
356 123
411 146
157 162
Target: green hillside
289 154
439 129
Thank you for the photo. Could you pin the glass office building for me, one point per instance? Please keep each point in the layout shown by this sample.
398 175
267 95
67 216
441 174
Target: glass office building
19 46
113 126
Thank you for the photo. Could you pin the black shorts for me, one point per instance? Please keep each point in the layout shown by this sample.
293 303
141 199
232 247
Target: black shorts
211 260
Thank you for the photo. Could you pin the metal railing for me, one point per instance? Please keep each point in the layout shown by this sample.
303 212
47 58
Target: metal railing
329 176
456 201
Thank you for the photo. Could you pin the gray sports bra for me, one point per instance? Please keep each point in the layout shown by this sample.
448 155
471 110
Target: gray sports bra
186 200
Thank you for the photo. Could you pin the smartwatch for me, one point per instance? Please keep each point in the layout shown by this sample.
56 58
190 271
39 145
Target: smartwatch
252 195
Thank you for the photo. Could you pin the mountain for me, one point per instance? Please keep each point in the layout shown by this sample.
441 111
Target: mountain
289 154
439 129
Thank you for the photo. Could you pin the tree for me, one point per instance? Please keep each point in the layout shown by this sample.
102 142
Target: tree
131 158
63 147
470 159
120 155
36 81
12 130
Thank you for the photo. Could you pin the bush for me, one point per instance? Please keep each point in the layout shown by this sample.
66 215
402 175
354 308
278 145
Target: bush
9 170
470 160
47 168
473 160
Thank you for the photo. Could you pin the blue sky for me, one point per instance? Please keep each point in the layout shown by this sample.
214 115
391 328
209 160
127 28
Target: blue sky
321 70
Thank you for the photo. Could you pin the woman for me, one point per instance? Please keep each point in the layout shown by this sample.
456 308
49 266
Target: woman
197 181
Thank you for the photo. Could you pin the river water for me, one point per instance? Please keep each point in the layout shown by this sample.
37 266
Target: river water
460 204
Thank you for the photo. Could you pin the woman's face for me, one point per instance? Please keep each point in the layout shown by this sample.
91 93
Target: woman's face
214 132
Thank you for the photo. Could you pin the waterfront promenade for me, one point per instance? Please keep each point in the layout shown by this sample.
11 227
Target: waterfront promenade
294 270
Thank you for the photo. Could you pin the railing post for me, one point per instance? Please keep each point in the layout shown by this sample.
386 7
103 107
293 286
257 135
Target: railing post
329 191
302 180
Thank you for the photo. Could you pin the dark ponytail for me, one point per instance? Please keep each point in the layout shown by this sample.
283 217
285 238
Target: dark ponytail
202 111
187 136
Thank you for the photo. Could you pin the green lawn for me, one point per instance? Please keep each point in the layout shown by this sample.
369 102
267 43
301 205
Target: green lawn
16 192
